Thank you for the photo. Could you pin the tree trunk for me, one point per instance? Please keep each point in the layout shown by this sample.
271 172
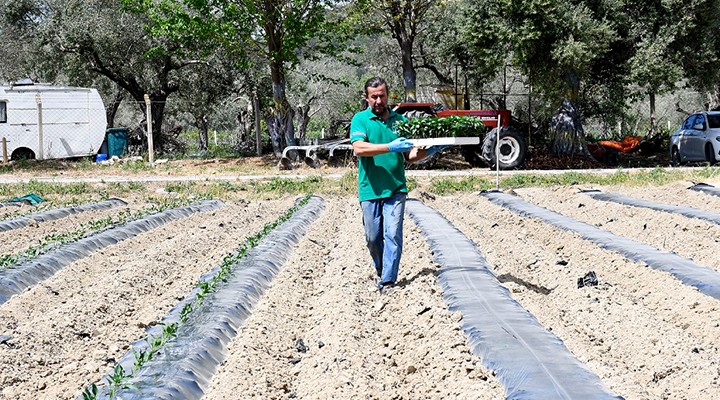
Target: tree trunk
567 135
245 127
409 73
280 127
157 104
157 112
113 109
303 117
280 124
202 124
653 120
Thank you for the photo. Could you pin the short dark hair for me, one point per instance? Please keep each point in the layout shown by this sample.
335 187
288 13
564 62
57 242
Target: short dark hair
374 82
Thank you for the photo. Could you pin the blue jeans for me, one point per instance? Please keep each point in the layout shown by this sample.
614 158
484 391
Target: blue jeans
383 221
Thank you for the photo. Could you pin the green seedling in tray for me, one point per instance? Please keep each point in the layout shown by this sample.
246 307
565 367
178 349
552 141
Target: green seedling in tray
453 126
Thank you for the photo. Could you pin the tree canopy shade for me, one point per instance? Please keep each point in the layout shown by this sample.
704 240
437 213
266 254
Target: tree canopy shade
277 33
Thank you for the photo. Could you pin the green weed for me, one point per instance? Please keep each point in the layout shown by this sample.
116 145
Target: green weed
291 186
90 392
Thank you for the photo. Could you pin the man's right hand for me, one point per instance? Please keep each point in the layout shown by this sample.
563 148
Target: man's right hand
400 145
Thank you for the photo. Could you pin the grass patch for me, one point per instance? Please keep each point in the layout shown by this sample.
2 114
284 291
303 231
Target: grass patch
44 189
453 185
652 177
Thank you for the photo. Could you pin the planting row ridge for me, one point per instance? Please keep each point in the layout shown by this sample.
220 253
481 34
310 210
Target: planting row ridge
58 213
186 364
530 361
631 201
688 272
16 279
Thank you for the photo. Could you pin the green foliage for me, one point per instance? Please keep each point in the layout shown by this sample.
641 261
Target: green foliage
179 187
118 380
454 126
454 185
90 393
291 186
44 189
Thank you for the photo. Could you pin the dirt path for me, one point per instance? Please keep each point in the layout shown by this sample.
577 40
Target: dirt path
69 330
405 345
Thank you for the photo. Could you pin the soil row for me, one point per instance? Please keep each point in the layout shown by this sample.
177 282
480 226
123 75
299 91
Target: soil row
69 330
643 332
321 331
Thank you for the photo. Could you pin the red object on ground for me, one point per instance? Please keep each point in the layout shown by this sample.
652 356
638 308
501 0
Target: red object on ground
628 144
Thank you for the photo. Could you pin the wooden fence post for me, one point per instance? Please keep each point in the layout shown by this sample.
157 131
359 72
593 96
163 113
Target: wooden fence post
148 117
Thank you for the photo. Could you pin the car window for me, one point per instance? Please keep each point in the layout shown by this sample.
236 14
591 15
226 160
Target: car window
688 124
3 111
713 120
699 120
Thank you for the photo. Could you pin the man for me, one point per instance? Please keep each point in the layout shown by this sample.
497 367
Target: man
382 188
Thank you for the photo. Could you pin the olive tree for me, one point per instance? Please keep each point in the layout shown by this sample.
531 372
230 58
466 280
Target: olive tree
73 39
271 33
554 43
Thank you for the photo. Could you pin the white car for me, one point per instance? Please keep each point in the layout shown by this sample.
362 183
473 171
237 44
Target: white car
698 139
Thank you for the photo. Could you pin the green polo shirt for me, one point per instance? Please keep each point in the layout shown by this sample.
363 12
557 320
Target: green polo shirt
383 175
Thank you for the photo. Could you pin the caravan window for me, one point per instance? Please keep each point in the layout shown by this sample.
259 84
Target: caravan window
3 111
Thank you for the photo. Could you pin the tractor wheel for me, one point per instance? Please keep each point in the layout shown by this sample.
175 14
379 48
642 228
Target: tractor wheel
512 148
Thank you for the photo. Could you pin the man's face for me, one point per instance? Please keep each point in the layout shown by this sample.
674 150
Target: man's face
377 98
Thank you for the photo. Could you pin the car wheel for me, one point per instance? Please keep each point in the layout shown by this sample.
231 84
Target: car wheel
676 160
709 154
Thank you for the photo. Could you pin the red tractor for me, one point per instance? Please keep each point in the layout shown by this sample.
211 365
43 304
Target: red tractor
513 147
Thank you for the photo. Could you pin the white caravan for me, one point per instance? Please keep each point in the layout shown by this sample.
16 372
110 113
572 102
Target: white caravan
73 121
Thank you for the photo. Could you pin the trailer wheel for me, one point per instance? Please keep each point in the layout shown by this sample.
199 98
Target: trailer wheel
412 114
473 155
426 163
22 153
512 148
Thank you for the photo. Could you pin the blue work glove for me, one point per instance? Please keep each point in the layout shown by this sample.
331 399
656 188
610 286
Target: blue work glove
436 149
400 145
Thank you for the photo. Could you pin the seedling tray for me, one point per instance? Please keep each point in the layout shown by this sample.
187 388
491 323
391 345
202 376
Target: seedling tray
446 141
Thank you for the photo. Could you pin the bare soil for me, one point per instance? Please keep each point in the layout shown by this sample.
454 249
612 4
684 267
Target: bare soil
320 332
